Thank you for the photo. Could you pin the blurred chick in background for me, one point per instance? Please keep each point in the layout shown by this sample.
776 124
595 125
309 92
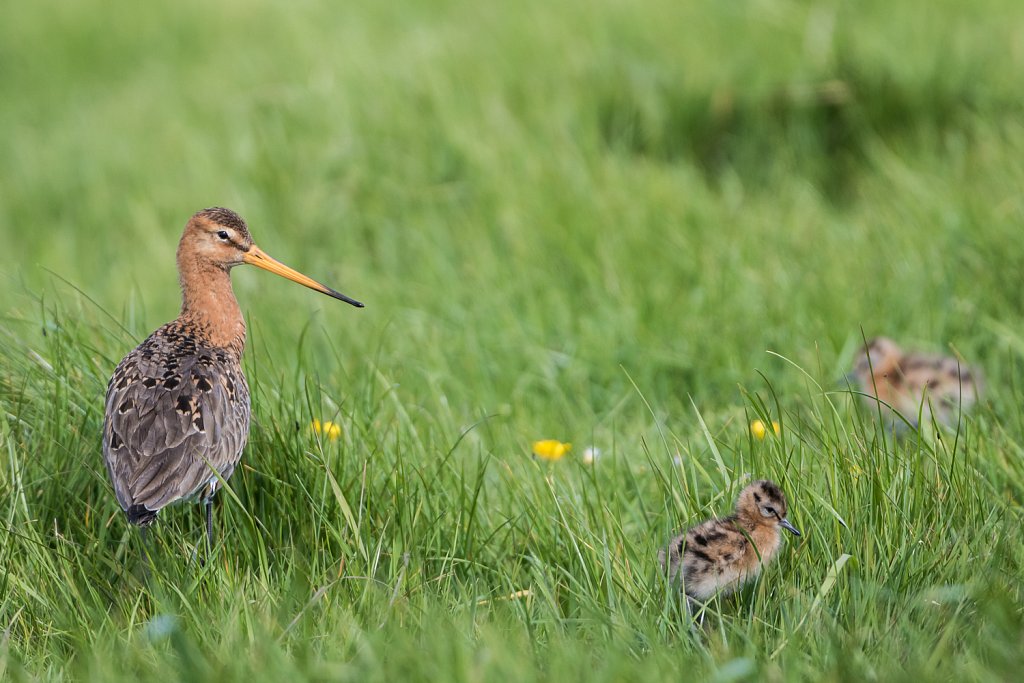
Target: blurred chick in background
910 388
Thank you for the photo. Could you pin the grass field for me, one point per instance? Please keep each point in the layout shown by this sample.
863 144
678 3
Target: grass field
629 225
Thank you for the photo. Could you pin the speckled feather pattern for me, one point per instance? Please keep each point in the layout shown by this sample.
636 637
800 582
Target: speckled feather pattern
177 407
176 410
719 555
909 383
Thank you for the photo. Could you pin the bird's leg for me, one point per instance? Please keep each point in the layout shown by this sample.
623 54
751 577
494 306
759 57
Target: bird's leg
208 514
148 545
696 618
689 613
209 525
147 557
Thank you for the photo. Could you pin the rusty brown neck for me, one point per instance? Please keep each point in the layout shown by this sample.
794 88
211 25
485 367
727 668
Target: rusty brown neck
208 305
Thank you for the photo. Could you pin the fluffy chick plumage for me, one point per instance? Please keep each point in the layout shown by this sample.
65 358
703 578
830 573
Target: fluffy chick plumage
719 555
903 385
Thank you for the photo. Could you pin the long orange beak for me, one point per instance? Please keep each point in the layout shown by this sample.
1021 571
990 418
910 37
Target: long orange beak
257 257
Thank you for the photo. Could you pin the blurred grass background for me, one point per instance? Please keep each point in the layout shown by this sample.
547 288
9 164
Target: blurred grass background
575 220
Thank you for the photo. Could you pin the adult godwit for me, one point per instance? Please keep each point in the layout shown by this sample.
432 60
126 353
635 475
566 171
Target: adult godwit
177 407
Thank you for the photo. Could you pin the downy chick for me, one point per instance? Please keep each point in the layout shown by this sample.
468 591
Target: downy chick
719 555
908 385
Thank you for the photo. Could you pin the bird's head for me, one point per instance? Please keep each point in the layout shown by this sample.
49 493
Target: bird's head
219 238
763 503
879 358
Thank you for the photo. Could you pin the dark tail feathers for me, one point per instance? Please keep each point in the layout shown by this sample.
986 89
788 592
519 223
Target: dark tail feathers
140 515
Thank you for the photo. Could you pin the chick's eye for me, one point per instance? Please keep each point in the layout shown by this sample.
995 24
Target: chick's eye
223 234
770 510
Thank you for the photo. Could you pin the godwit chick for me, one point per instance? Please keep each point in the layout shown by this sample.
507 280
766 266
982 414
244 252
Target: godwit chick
177 407
907 384
719 555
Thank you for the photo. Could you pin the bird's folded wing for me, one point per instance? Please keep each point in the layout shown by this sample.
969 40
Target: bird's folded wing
165 434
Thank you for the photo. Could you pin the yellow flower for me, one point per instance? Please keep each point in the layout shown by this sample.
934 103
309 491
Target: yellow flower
758 428
551 449
328 429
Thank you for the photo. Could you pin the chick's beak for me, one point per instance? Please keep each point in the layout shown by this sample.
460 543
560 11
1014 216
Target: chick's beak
259 258
784 523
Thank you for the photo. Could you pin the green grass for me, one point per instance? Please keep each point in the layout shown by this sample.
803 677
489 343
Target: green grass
636 226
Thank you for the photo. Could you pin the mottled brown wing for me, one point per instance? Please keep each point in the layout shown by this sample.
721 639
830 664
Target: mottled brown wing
714 557
935 386
172 412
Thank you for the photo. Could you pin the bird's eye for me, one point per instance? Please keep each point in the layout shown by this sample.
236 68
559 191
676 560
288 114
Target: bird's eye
223 234
769 510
